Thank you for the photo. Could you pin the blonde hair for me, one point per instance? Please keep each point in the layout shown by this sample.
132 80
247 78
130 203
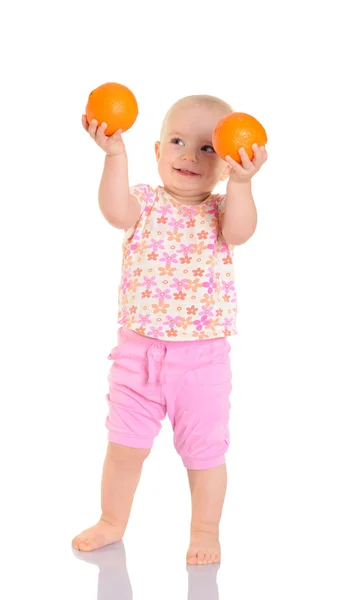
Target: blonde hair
201 99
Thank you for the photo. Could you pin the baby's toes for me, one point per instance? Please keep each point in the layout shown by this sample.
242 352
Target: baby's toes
75 542
85 546
214 558
191 558
201 558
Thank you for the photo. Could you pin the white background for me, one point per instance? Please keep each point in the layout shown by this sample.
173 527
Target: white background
286 525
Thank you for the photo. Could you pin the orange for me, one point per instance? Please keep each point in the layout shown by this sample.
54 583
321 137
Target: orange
114 104
238 130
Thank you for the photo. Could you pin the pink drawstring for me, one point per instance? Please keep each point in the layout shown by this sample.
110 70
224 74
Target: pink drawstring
155 360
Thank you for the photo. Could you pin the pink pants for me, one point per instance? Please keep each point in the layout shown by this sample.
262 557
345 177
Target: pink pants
191 381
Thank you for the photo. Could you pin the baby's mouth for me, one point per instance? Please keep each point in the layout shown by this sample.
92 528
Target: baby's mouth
186 172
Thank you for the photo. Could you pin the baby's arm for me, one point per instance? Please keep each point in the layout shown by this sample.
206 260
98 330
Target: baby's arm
240 216
120 208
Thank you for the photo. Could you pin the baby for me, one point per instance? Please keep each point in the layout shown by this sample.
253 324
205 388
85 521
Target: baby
177 306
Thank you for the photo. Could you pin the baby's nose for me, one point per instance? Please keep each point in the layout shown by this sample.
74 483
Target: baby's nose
189 155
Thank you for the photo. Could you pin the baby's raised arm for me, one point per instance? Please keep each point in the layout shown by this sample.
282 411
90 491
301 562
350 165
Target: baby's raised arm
120 208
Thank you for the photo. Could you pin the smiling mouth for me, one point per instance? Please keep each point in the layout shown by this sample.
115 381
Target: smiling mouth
186 172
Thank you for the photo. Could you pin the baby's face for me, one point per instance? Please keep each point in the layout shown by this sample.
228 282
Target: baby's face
187 162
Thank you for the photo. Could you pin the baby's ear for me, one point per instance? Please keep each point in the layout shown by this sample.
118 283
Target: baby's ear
225 173
157 149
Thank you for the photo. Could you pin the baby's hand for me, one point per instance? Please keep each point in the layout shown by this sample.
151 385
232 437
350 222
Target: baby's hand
113 145
243 172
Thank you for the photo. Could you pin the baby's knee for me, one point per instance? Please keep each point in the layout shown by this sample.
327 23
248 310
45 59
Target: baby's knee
126 454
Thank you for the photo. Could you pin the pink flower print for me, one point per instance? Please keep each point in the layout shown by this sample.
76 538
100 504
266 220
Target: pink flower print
206 310
223 247
228 286
162 295
179 296
195 284
185 322
203 322
186 249
135 245
207 300
177 224
133 285
200 335
160 307
167 271
149 281
148 196
174 236
136 235
214 209
172 333
155 332
211 246
180 284
169 258
189 211
156 245
227 323
125 284
140 330
214 323
233 298
172 322
214 235
164 210
200 248
211 285
144 319
142 247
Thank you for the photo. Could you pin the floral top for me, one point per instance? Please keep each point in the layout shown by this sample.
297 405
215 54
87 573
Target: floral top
177 273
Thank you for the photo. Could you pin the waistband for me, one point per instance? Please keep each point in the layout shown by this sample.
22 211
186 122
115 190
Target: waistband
128 334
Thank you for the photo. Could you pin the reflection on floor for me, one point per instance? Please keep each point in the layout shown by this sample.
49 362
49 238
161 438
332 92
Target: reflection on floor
114 580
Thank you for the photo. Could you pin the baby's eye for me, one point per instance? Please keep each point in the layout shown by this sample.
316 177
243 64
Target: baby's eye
177 141
208 149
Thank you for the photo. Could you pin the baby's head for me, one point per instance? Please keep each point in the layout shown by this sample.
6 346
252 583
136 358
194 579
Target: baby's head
187 163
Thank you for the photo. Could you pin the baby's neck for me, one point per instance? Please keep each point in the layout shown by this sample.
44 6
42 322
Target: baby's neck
188 200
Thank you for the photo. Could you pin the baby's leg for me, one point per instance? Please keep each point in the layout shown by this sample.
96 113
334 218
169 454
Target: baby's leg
208 489
121 474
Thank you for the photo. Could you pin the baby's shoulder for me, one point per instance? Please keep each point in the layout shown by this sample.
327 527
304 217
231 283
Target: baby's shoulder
142 189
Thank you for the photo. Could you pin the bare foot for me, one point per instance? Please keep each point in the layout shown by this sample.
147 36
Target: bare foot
96 537
204 549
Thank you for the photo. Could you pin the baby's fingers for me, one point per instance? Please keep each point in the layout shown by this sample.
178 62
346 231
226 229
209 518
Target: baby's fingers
85 123
117 135
100 134
92 127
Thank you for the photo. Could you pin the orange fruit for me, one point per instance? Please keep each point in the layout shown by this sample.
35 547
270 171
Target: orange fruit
114 104
238 130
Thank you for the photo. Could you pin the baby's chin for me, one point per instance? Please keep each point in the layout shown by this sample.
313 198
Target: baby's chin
189 194
193 184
